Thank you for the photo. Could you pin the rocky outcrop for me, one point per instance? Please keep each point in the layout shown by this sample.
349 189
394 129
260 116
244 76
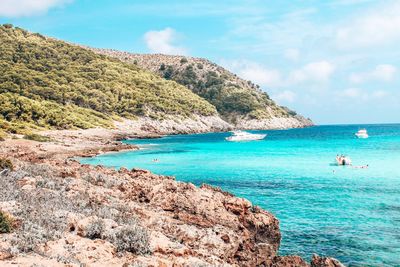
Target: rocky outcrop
288 261
274 123
318 261
195 124
199 124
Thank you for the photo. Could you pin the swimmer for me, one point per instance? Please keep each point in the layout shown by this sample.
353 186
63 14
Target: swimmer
361 167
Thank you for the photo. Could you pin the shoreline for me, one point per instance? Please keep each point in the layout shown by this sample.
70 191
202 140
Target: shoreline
118 137
187 207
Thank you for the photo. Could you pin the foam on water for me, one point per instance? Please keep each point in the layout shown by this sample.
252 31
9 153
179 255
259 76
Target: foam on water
351 214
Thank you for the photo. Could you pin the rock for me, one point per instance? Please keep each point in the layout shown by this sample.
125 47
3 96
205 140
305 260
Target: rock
11 207
27 181
84 251
5 255
288 261
318 261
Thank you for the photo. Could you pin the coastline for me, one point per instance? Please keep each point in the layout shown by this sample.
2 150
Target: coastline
234 232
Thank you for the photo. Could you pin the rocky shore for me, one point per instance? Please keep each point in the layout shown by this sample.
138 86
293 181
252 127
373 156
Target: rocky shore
64 213
201 124
274 123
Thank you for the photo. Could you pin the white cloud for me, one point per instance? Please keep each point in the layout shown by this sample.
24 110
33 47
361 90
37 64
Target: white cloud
254 72
319 71
285 96
292 54
380 94
261 75
349 2
383 72
313 73
351 92
363 95
163 42
23 8
380 26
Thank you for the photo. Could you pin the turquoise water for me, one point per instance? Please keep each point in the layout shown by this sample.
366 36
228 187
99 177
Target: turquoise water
351 214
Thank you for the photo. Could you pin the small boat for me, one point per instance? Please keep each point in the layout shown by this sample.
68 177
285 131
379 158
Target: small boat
362 133
343 160
244 136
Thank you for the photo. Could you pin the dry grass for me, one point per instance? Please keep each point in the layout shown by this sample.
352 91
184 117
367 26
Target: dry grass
43 212
133 238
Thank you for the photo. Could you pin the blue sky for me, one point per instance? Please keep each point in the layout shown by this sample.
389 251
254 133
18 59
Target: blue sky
333 61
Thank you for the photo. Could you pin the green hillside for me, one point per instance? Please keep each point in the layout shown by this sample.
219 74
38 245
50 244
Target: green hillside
232 96
48 83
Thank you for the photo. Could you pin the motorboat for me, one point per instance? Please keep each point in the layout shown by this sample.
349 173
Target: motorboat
238 136
343 160
362 133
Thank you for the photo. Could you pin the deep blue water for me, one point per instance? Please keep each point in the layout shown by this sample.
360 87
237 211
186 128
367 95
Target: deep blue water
348 213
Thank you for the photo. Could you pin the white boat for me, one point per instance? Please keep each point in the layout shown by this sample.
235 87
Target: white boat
343 160
362 133
244 136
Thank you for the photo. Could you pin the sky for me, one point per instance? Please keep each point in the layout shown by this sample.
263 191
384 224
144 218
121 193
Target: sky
337 61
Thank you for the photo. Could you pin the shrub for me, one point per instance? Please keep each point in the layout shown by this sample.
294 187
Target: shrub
133 238
168 73
37 137
95 229
162 67
43 218
6 164
2 136
6 223
183 60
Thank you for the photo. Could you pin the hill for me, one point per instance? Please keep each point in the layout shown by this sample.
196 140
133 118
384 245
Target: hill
238 101
47 83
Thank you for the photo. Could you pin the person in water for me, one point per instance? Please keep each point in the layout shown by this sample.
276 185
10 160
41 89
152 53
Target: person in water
341 159
361 167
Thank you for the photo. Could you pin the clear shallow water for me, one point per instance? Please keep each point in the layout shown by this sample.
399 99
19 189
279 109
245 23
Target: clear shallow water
351 214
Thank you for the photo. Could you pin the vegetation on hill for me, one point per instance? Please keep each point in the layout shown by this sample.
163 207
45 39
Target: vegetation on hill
48 83
232 96
228 98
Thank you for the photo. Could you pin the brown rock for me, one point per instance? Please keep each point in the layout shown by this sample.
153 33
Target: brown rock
288 261
318 261
27 181
225 238
5 255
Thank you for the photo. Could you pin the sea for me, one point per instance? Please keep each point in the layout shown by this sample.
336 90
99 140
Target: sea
347 212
